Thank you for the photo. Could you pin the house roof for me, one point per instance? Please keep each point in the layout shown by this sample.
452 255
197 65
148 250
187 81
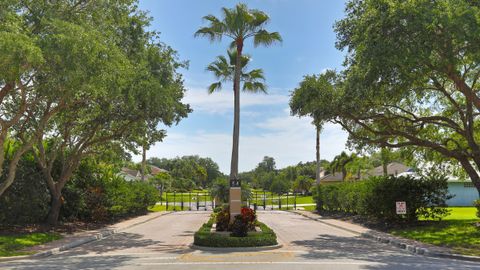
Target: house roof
335 177
155 170
393 168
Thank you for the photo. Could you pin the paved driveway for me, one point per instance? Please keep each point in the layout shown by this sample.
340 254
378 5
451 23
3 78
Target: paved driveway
163 244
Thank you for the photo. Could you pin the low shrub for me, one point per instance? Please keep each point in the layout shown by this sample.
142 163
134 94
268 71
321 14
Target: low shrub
97 194
27 200
239 226
203 237
249 217
376 197
223 220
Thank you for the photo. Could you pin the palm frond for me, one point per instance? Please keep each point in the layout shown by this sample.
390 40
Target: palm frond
214 87
263 37
254 87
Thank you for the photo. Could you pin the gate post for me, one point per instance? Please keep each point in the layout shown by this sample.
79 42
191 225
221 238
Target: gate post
166 201
295 200
198 201
279 202
174 201
189 201
181 204
264 202
287 201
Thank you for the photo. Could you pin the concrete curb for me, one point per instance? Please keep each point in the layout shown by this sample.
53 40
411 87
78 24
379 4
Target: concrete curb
236 249
396 242
101 235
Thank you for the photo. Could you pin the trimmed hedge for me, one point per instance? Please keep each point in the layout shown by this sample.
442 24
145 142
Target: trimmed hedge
203 237
376 197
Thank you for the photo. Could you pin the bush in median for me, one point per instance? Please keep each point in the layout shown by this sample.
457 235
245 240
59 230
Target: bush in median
203 237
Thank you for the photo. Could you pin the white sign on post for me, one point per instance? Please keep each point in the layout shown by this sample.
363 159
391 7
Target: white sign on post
401 208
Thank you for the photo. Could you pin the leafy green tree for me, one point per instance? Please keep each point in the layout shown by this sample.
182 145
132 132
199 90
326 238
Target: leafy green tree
267 165
303 184
303 103
410 78
280 184
239 23
163 181
111 97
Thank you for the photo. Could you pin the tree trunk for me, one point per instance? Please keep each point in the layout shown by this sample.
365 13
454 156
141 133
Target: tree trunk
235 199
472 173
12 167
144 162
317 143
55 206
236 116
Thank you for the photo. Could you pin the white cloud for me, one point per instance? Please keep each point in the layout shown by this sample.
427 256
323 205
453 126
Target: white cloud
286 138
222 101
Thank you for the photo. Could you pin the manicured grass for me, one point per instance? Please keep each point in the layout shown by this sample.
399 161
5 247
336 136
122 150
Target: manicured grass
11 245
462 213
187 197
456 231
274 200
203 237
160 208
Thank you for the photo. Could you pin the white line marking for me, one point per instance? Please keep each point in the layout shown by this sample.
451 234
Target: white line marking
250 263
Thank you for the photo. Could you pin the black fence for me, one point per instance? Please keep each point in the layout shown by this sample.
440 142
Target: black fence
203 201
181 201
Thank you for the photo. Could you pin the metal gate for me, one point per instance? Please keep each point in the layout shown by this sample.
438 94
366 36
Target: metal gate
192 201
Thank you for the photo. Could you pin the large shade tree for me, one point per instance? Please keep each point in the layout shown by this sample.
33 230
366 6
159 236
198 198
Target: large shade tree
239 24
112 79
411 78
303 103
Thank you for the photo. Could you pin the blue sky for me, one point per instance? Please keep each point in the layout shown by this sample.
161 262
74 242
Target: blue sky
266 128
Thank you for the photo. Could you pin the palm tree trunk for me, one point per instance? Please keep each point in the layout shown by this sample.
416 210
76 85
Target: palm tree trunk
317 141
236 117
144 162
235 199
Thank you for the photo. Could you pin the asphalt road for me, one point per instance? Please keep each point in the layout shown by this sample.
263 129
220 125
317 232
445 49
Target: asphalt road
163 244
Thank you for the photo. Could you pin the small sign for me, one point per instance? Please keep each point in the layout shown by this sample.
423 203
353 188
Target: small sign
401 208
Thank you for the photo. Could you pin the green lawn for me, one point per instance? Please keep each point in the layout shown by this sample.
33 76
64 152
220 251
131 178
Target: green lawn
11 245
160 208
456 231
274 200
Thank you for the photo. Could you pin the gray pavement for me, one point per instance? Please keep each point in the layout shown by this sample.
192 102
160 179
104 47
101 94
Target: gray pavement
162 243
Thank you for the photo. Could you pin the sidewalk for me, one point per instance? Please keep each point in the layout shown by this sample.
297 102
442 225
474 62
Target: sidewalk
407 244
70 241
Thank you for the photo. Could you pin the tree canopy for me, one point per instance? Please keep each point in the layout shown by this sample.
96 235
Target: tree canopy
410 78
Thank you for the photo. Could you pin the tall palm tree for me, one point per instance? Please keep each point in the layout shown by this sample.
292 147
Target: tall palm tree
239 23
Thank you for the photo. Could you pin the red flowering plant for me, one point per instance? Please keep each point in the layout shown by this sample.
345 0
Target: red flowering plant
249 217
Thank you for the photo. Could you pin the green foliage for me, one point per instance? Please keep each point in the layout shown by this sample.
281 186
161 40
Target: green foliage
303 184
220 189
280 184
27 199
376 197
223 219
96 193
203 171
239 227
203 237
410 78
